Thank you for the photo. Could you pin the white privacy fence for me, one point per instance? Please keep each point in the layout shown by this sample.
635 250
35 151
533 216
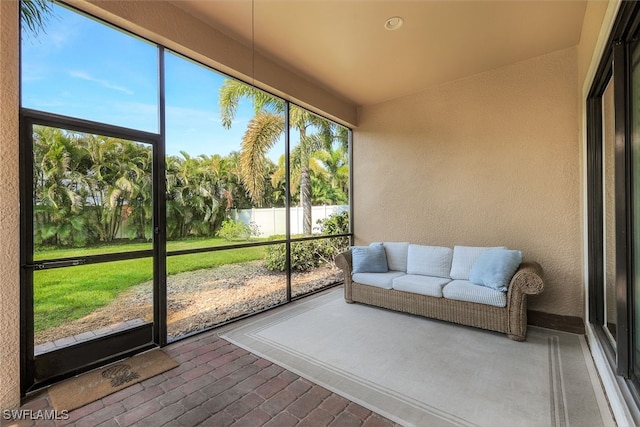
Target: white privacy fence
271 221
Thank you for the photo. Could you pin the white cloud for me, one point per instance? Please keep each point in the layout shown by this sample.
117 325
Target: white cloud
105 83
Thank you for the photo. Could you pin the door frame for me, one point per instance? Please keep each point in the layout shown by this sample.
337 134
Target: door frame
41 370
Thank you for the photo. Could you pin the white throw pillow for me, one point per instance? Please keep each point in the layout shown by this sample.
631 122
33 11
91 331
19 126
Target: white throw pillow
464 257
429 260
396 255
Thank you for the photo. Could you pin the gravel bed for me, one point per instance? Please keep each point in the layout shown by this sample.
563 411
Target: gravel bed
200 299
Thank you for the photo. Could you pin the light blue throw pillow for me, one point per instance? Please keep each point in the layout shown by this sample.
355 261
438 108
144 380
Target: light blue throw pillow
369 259
495 268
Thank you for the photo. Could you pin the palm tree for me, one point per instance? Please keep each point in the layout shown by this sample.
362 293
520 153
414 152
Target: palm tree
58 189
213 176
236 193
85 186
322 180
278 183
200 191
138 179
119 183
336 164
177 216
264 130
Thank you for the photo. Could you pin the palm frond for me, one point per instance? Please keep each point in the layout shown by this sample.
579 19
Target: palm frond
264 101
125 184
262 133
233 90
229 97
34 15
279 174
342 137
114 197
318 169
314 143
297 157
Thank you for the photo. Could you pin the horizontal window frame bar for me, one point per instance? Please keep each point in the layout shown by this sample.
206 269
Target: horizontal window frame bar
148 253
320 236
89 259
59 121
252 244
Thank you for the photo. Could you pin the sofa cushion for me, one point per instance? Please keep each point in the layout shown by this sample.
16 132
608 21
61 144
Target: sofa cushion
463 290
369 259
464 257
429 260
379 280
396 255
423 285
495 268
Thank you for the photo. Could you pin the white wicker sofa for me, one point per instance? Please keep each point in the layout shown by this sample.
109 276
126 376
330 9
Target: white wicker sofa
433 281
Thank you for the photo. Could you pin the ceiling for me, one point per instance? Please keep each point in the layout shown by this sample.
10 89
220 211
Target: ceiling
342 45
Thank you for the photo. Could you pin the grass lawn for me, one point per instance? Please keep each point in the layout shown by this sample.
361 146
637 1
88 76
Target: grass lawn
65 294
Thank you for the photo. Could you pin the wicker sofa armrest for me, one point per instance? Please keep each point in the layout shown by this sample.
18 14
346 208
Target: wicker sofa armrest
528 280
344 262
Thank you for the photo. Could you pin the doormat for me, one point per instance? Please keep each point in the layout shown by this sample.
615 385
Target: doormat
94 385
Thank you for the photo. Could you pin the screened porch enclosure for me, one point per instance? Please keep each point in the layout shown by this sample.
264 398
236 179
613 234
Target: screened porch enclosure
206 207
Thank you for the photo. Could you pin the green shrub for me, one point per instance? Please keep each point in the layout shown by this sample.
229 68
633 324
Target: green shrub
275 257
305 255
335 224
234 230
310 254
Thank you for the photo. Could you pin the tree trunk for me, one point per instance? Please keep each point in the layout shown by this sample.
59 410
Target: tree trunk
305 199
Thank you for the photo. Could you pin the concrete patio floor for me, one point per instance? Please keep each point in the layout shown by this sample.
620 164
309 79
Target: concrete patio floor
216 384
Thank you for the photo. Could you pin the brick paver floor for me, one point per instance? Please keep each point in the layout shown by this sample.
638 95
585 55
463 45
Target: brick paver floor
216 384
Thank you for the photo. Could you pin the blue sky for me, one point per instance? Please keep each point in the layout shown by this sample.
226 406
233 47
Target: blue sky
84 69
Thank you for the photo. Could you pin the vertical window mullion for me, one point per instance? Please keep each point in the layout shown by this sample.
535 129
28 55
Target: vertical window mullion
160 214
624 261
351 216
595 209
287 168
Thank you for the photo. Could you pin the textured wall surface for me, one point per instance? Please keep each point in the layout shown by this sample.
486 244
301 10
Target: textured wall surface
9 209
493 159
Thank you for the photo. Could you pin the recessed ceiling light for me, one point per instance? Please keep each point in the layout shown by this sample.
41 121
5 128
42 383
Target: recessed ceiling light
393 23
